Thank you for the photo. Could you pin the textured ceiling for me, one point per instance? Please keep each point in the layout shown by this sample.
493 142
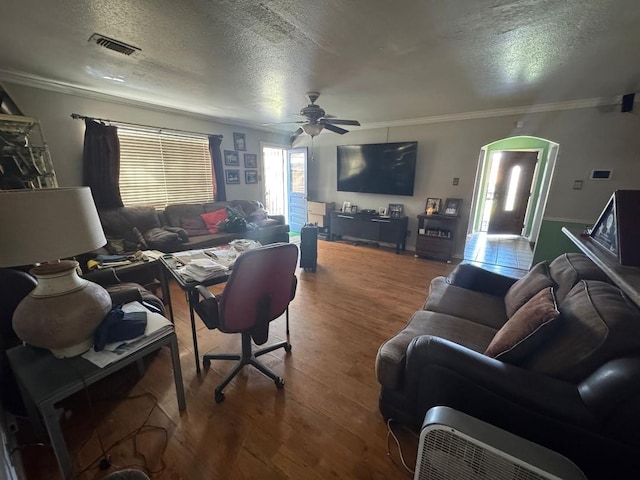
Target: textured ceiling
373 60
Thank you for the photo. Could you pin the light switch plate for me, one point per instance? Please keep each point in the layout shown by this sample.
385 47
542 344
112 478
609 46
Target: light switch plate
456 180
577 184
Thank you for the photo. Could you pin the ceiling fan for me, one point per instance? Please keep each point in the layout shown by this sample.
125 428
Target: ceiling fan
317 120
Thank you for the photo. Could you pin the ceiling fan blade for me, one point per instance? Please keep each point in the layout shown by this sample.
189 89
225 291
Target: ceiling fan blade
335 129
336 121
296 134
282 123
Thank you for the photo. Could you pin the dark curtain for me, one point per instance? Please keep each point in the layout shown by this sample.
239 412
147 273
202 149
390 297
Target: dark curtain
101 163
219 191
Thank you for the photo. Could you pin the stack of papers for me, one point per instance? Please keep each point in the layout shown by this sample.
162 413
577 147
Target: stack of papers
201 269
157 325
199 265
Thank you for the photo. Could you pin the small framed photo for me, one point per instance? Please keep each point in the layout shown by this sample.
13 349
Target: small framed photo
354 209
396 210
239 141
605 231
250 160
232 176
382 211
231 158
251 176
346 207
452 206
433 206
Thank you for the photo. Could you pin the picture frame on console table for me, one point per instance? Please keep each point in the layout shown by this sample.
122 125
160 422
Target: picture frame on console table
396 210
617 230
432 206
346 207
452 207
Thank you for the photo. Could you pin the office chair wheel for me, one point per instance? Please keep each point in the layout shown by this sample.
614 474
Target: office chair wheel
206 362
280 383
219 397
287 348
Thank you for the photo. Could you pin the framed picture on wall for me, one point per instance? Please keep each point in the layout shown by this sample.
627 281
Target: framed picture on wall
232 176
250 160
239 141
251 176
231 158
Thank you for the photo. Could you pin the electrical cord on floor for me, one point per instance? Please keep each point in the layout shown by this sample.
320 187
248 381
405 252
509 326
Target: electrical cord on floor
391 434
104 461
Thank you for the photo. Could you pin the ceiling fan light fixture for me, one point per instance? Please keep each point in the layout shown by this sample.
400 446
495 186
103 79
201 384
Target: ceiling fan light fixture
312 129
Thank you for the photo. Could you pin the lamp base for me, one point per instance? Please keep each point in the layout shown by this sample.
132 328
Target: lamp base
62 312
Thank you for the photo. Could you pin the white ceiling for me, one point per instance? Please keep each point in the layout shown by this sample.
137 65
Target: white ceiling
377 61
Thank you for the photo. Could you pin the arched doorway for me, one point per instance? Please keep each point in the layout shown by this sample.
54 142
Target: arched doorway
510 194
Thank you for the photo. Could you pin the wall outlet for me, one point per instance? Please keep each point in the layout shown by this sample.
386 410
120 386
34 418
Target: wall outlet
577 184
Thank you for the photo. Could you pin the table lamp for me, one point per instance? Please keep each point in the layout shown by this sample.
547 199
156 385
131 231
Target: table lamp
41 227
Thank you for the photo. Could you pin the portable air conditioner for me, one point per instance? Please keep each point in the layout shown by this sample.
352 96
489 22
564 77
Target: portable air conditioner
456 446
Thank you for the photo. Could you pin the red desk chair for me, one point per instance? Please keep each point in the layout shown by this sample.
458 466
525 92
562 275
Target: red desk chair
259 290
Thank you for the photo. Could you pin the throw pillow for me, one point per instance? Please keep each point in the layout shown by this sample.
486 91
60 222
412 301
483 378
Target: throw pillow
598 323
213 219
525 288
526 329
194 226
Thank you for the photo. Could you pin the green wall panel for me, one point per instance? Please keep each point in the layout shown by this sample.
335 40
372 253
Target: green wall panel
552 242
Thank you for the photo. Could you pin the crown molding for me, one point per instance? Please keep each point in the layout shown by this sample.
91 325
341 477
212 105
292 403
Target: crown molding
499 112
41 83
35 81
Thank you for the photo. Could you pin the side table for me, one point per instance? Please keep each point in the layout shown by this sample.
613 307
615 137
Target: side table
45 380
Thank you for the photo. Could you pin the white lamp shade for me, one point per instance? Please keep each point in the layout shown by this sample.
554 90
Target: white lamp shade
47 224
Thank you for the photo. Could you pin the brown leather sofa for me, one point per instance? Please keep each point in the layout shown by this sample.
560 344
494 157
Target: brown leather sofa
260 226
180 227
570 383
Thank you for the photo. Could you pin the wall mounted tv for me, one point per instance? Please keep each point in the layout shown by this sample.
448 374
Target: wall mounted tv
386 168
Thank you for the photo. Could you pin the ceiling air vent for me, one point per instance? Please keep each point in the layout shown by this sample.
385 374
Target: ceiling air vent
112 44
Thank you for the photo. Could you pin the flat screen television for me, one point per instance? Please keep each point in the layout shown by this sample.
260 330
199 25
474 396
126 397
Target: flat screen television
386 168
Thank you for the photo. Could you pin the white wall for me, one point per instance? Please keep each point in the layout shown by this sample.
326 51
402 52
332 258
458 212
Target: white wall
65 136
589 139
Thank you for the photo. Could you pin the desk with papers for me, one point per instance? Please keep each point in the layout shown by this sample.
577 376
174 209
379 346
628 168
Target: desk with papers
203 267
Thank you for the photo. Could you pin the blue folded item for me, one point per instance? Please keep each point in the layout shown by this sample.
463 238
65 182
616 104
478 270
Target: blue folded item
119 326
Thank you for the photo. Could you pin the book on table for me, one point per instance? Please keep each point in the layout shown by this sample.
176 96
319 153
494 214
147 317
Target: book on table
157 325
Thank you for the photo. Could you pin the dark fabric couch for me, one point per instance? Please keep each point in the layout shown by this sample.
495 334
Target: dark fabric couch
261 227
133 228
572 385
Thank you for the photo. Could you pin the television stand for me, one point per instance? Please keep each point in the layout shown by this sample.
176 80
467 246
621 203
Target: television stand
370 227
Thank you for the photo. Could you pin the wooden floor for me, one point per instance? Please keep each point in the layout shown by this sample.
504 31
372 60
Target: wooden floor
324 424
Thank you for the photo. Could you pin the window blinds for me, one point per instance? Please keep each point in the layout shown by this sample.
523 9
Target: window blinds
159 168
